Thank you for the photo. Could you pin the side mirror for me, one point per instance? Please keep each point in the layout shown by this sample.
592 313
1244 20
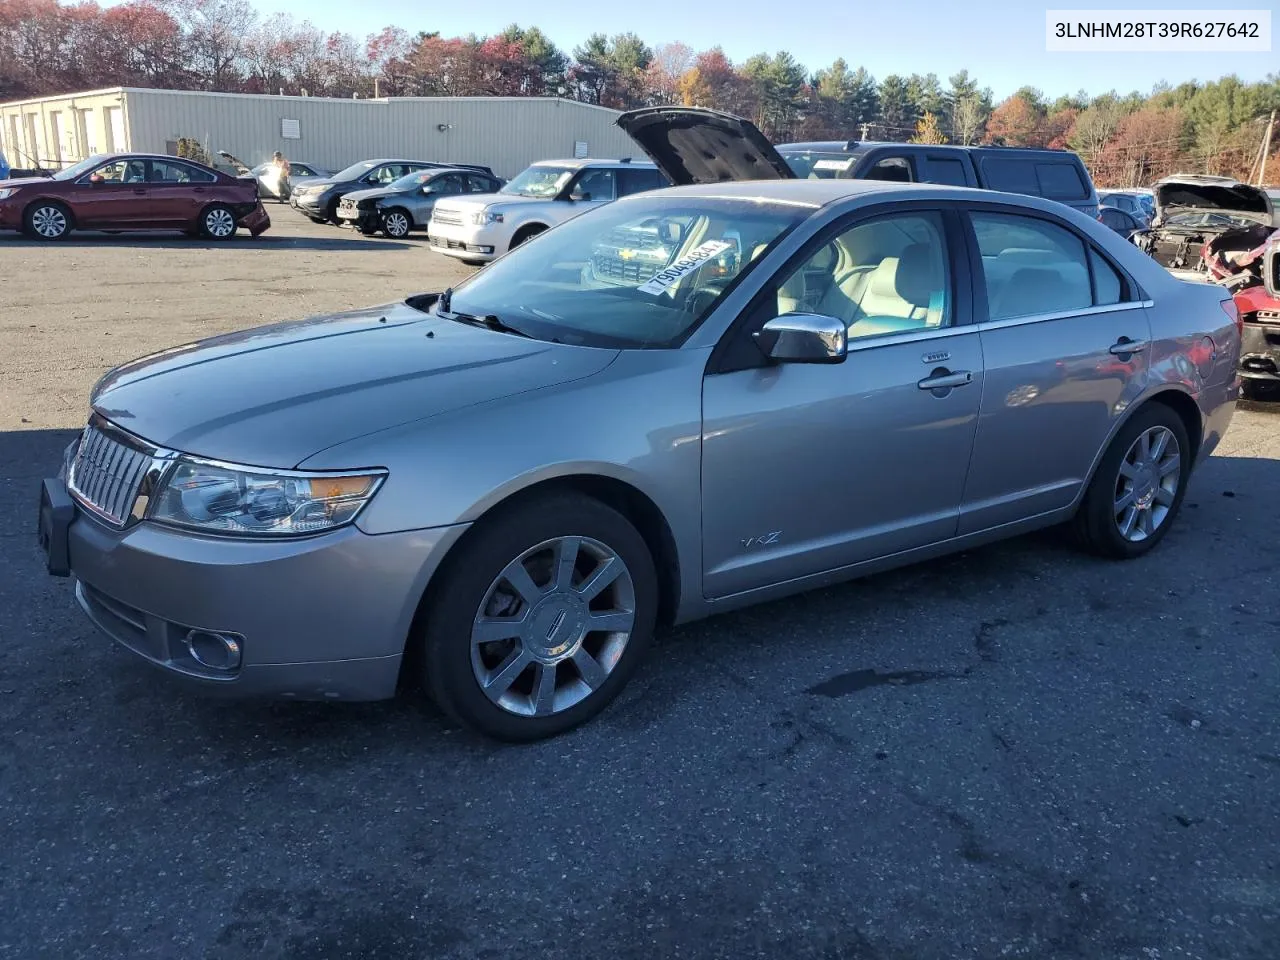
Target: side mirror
579 195
804 338
428 189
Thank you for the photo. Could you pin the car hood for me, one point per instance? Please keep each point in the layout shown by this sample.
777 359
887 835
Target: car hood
274 396
693 145
355 196
1175 195
481 201
23 182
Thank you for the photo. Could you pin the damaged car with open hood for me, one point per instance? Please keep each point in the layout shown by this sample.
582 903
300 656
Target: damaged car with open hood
1200 216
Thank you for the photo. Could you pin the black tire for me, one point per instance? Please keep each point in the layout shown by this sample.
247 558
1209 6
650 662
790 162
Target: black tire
217 222
41 218
465 583
1095 523
1260 391
397 223
525 234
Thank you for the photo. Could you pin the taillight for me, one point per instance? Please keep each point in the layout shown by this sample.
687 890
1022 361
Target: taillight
1231 310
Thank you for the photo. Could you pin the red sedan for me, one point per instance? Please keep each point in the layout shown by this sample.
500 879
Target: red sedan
133 192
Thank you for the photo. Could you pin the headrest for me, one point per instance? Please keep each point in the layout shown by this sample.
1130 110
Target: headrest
918 277
883 280
1028 290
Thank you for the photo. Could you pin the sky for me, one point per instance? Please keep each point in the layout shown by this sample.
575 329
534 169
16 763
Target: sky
1002 44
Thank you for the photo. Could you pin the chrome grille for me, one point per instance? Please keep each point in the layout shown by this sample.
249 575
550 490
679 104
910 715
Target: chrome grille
446 217
106 474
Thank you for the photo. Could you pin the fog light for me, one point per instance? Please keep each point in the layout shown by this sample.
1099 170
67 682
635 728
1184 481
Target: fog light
217 651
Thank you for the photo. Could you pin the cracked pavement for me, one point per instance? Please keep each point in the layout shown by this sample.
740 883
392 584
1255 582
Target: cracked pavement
1018 751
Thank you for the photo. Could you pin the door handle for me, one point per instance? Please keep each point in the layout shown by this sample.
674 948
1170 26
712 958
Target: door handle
140 192
198 190
943 379
1125 346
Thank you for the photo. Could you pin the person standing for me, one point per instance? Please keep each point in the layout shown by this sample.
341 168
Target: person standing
280 167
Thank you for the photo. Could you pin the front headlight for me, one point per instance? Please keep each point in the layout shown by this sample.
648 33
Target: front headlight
242 500
7 192
482 218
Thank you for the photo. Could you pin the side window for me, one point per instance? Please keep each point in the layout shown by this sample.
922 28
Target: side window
897 169
1108 286
1060 181
480 184
449 183
596 185
109 173
639 180
884 276
1031 266
1011 176
301 170
163 171
946 170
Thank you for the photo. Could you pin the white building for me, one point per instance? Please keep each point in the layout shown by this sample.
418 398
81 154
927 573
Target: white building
505 133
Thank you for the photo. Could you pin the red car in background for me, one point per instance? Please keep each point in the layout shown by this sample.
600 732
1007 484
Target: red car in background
1247 262
132 191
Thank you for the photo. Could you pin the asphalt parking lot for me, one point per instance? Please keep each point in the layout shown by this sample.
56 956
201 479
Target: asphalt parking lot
1015 752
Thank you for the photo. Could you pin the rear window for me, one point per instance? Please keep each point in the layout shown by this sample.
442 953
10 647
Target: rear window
1053 180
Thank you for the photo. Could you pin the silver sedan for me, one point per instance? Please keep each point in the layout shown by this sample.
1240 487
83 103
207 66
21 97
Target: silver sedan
684 402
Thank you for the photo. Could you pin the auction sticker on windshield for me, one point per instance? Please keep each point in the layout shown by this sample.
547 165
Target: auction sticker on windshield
833 164
691 261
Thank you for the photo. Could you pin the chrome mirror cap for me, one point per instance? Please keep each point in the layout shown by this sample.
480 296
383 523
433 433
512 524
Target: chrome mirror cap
804 338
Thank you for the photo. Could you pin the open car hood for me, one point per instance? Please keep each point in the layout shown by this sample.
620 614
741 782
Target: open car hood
692 145
1175 195
237 164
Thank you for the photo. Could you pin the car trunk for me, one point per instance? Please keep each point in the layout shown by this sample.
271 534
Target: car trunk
692 145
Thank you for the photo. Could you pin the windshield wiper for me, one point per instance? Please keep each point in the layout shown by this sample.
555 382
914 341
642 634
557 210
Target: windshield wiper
487 320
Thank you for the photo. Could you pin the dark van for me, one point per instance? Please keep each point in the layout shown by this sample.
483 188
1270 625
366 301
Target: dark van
1052 174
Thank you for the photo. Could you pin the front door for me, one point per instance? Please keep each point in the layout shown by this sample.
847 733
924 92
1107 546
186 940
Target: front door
808 468
114 195
1065 337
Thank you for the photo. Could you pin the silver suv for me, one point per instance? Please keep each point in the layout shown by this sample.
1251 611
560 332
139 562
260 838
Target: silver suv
478 229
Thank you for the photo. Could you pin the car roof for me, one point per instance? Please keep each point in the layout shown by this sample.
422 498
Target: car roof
579 163
862 146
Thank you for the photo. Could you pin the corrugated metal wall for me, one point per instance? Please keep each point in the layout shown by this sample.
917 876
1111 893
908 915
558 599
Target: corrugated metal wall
61 130
507 134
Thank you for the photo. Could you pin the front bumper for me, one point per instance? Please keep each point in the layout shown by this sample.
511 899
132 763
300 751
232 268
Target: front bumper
310 204
464 241
1260 351
320 618
367 221
10 214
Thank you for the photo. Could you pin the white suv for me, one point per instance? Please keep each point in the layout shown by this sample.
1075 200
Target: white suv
479 228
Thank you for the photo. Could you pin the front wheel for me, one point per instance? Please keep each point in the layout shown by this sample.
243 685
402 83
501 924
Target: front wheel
1139 486
540 619
396 224
47 220
218 222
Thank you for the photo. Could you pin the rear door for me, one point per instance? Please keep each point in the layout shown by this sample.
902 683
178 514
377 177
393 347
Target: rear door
1065 339
116 194
808 467
178 192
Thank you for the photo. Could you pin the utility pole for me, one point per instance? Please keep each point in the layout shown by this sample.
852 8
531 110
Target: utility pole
1266 148
865 127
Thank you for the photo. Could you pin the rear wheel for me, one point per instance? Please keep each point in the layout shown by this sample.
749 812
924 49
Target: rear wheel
1138 489
540 619
396 224
218 222
47 220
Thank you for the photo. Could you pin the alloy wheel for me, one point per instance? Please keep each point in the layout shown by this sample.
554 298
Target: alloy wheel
49 222
397 225
1147 483
552 626
219 223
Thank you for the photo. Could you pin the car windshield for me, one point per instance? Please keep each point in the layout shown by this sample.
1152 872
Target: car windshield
819 165
84 166
640 272
539 181
411 180
1202 219
356 170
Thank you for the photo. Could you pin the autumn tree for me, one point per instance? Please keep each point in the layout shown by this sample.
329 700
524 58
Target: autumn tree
713 81
928 130
1016 122
670 62
1146 146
